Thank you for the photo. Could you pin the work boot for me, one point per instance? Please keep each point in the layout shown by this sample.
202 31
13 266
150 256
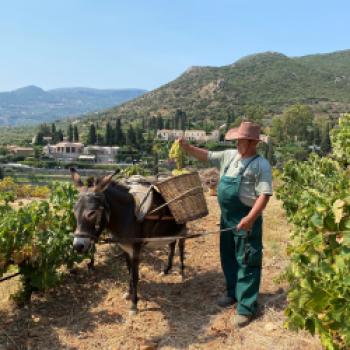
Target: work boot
239 321
225 301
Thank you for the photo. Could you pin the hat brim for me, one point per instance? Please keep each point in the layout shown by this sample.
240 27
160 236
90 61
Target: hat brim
233 134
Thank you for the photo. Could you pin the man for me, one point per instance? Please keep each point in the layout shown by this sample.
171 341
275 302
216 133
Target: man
244 190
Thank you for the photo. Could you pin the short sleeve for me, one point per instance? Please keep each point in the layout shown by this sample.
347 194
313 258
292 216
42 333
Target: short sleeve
216 158
264 182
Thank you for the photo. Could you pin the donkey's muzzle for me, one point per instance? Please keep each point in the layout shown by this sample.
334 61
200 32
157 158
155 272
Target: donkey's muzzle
81 245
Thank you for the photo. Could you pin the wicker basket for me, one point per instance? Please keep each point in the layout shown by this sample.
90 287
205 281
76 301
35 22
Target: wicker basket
185 196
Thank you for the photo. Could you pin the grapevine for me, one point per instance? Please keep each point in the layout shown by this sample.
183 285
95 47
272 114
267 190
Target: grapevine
37 238
316 197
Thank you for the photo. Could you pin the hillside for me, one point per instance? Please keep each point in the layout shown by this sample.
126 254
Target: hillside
32 104
270 79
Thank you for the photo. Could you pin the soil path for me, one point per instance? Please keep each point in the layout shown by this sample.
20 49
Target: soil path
88 312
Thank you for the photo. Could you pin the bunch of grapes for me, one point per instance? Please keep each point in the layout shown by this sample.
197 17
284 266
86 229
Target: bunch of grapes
176 153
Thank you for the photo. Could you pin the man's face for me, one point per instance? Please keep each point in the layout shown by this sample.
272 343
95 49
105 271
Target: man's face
243 146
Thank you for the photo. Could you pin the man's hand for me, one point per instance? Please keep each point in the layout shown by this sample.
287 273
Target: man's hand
245 224
196 152
183 143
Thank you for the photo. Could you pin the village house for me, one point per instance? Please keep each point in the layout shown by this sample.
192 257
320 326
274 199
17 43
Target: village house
71 151
191 135
21 151
67 151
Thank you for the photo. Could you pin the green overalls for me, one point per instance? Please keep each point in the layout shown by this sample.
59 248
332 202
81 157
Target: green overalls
241 252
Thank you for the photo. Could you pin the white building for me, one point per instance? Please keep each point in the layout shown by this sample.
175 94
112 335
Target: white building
70 151
64 150
102 154
192 135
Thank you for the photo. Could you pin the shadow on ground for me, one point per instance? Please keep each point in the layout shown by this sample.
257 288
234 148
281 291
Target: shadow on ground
67 306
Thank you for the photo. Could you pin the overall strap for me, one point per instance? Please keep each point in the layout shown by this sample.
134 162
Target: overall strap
247 165
229 163
244 169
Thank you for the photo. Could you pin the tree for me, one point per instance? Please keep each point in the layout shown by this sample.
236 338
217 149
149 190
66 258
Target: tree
39 139
92 137
59 135
75 134
109 137
229 120
139 137
277 130
45 129
160 123
255 113
53 129
70 133
118 133
297 123
180 120
326 146
130 136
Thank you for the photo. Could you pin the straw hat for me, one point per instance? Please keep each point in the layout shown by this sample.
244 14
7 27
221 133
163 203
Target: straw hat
246 131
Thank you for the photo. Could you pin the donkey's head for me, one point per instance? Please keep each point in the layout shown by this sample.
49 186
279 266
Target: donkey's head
91 210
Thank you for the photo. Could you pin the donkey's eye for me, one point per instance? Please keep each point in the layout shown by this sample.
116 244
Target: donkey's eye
90 214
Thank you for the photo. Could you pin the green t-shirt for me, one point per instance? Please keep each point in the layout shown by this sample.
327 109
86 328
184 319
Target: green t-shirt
256 180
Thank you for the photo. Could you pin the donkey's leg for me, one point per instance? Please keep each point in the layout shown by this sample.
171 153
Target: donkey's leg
134 277
170 257
127 295
182 256
91 264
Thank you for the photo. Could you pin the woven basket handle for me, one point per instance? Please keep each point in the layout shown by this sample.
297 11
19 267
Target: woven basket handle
176 198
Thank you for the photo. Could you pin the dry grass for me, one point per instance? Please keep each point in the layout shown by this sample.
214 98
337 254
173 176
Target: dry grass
87 312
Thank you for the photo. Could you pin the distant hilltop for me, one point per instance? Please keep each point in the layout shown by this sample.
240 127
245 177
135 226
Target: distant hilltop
31 104
270 79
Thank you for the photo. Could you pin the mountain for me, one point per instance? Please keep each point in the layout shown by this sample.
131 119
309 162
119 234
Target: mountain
270 79
31 104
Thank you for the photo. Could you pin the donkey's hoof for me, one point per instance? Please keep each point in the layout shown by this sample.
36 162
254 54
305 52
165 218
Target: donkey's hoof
133 312
91 266
126 296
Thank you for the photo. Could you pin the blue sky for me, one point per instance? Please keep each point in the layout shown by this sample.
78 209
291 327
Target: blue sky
144 44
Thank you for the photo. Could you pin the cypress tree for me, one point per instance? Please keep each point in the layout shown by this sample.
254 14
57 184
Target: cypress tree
75 134
118 133
39 140
92 137
60 135
53 129
130 136
109 135
70 133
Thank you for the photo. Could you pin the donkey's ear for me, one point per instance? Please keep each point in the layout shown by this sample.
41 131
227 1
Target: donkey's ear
102 183
76 178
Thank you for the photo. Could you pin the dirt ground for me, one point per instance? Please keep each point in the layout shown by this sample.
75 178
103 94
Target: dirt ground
87 311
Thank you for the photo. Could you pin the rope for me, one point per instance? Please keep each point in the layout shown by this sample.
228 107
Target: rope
2 279
169 238
175 199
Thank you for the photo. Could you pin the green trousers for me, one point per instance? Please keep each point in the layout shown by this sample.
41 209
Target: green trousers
241 252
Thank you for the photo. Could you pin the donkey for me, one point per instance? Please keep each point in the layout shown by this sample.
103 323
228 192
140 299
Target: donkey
106 204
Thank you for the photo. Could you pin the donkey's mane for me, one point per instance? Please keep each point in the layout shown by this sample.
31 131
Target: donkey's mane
119 186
